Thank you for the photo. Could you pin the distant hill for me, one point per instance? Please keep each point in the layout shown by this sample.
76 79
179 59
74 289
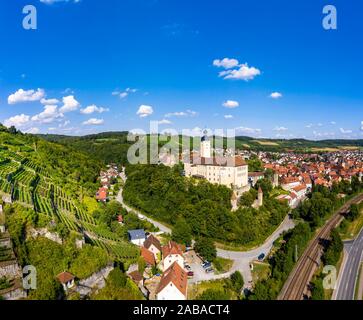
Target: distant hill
112 146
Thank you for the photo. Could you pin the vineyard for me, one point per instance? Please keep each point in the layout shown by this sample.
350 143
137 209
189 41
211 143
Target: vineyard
31 186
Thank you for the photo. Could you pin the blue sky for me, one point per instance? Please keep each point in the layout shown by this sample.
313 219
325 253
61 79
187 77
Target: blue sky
118 64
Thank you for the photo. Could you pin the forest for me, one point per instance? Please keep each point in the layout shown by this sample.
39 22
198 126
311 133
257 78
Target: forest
166 195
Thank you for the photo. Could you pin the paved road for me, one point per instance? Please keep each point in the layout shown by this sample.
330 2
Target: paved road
243 259
348 278
162 228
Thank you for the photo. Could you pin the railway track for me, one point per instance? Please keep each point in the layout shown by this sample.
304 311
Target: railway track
297 284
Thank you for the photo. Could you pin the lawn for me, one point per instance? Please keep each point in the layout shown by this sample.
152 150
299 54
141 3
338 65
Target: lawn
260 271
222 265
197 289
353 228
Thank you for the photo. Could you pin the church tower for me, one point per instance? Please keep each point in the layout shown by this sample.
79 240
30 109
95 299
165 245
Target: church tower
205 147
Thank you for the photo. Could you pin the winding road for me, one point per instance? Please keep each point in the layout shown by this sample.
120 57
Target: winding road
241 259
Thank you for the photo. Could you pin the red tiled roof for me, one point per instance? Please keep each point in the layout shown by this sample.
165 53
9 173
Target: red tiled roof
176 275
65 277
136 276
148 256
172 248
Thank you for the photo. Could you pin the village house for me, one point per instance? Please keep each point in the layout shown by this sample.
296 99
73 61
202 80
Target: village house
173 284
67 280
148 257
101 195
172 252
137 237
153 245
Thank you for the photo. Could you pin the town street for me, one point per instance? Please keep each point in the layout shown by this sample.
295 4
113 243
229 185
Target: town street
348 279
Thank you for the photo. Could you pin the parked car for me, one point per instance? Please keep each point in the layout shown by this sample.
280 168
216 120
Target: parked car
188 268
261 257
190 274
207 265
209 270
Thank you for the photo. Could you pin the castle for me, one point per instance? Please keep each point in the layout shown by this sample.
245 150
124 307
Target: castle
228 171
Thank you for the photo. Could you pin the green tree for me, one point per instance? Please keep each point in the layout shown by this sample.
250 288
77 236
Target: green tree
182 232
237 282
205 248
214 294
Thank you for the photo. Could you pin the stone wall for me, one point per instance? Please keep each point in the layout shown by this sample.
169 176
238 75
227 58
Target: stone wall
95 281
35 233
10 269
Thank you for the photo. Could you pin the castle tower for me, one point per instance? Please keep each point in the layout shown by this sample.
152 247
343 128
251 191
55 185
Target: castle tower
205 148
234 202
260 198
276 180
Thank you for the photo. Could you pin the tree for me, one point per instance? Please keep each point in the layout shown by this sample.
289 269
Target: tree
248 198
214 294
182 232
117 278
334 249
237 282
266 186
206 248
317 290
353 212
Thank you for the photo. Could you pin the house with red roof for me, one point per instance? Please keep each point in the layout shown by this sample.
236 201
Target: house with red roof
172 252
173 284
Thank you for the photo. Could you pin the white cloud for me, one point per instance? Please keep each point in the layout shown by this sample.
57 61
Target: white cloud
17 121
49 114
343 131
164 121
333 123
124 94
145 111
26 96
228 116
231 104
33 130
280 129
93 122
244 72
93 108
69 104
361 125
186 113
275 95
247 130
310 125
226 63
323 134
49 101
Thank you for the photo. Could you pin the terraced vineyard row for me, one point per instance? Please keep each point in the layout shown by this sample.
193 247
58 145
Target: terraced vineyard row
5 186
7 168
24 177
43 205
120 251
101 232
23 195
